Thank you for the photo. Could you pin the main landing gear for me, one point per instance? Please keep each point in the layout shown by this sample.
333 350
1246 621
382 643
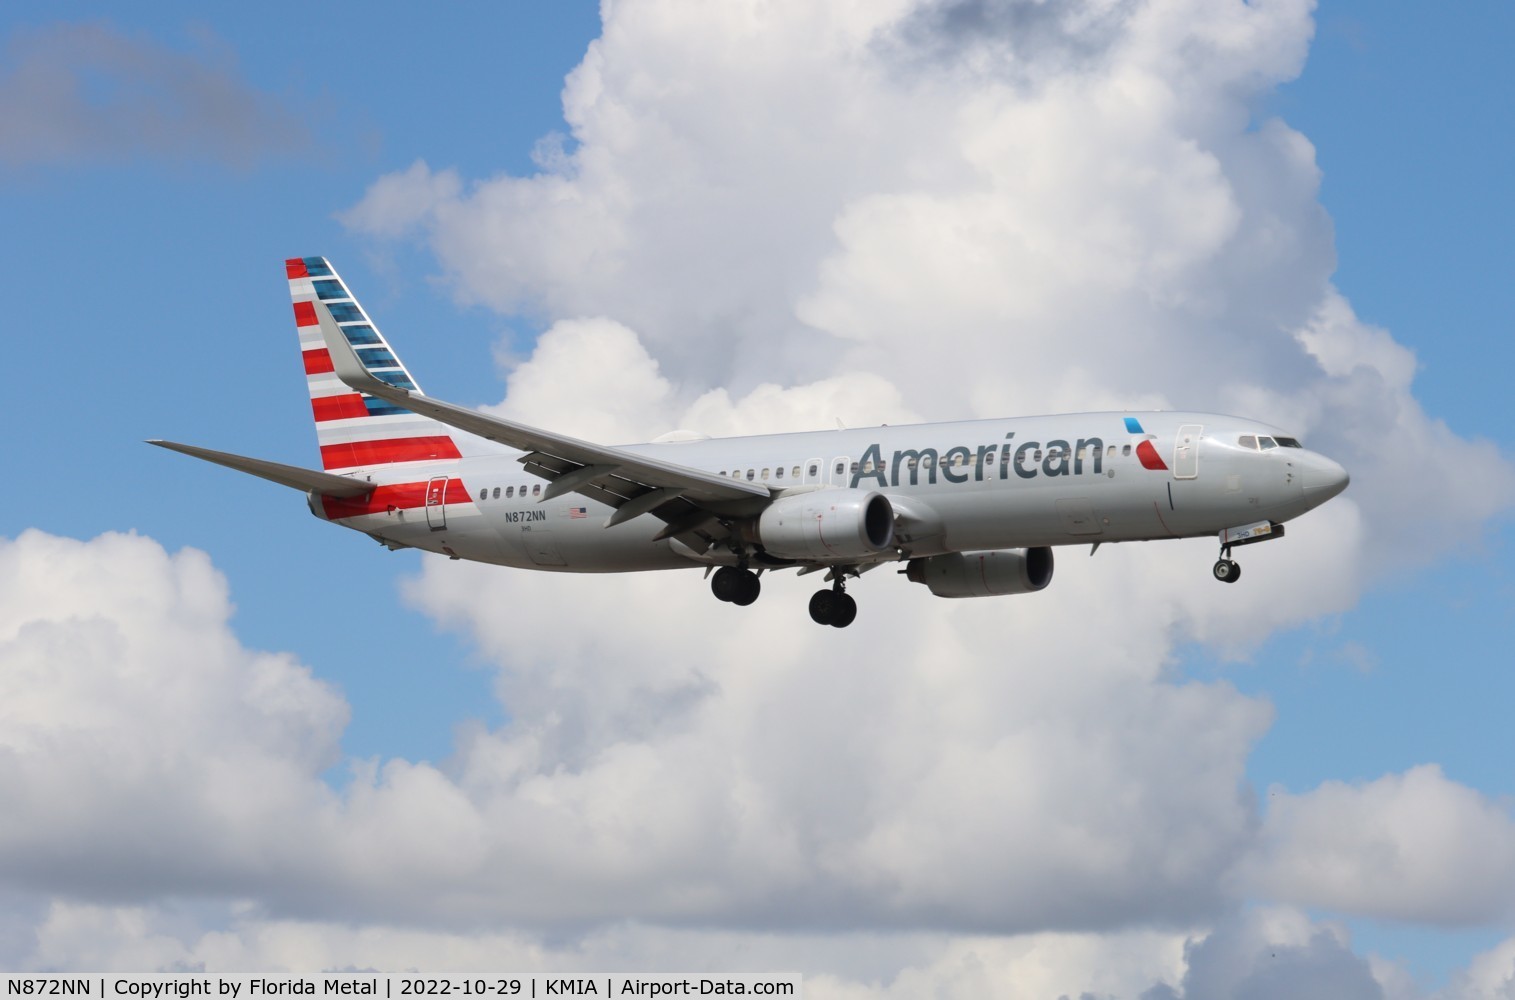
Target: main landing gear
739 586
834 607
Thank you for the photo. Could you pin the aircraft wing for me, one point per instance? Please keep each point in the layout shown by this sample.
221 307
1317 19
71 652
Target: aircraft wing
323 483
634 484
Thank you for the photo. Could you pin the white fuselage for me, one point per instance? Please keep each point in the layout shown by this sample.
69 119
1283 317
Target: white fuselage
960 486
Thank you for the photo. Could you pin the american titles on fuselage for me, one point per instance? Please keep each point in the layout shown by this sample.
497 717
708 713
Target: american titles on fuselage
960 463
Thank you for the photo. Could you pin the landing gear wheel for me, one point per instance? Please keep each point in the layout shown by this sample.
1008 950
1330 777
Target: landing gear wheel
843 611
726 584
823 606
748 589
832 607
738 586
1227 571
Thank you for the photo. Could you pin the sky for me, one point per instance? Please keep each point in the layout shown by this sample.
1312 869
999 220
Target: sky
238 739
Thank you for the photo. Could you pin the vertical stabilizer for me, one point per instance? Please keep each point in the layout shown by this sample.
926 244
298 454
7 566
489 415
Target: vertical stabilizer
356 430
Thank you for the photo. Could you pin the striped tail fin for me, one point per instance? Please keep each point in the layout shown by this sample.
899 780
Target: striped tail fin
355 430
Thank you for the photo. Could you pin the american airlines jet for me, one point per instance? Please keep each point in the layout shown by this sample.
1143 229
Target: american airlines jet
968 509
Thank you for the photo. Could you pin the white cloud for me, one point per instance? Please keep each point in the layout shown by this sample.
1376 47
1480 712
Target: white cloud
1251 956
144 749
1274 953
1412 846
1490 976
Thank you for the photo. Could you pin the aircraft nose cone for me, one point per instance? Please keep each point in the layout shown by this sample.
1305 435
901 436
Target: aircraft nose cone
1323 479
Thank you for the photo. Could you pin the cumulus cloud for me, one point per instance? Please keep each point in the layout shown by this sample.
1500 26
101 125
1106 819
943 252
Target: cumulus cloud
90 92
1413 846
142 748
1273 953
1257 955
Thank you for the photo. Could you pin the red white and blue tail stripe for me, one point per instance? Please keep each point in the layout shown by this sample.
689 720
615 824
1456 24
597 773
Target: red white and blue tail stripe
355 430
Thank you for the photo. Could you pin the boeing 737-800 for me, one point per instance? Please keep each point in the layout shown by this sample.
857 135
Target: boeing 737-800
968 509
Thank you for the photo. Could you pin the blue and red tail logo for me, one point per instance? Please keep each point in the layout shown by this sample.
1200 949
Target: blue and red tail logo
1145 451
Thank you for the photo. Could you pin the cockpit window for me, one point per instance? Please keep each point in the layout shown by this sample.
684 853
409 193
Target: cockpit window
1247 441
1266 442
1284 442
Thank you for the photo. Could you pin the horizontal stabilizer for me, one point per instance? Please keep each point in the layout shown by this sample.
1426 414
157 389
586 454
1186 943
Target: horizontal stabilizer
322 483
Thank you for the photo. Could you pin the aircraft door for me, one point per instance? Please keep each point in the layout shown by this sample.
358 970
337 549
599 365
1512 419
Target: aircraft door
436 503
839 471
812 476
1186 452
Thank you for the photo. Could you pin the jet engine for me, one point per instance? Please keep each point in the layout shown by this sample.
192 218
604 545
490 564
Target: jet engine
984 574
827 524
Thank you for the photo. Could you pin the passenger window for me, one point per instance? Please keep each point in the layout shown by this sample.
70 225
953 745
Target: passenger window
765 474
854 468
925 461
484 494
814 470
1036 456
751 475
796 472
510 491
1110 451
536 490
723 472
840 468
1125 449
497 493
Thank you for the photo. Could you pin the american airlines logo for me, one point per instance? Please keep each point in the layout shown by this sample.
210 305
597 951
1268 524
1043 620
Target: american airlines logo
1027 460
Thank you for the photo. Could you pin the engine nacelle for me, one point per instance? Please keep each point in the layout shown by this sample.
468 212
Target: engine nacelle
827 524
984 574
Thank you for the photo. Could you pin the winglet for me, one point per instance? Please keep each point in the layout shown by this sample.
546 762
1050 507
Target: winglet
345 362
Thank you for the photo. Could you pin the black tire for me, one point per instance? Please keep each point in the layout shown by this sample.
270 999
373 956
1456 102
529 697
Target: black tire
748 589
844 611
726 584
1227 571
822 607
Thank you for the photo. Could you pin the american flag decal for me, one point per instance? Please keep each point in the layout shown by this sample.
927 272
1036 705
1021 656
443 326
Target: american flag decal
578 512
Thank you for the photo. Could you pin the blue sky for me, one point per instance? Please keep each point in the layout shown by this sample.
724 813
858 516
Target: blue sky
146 294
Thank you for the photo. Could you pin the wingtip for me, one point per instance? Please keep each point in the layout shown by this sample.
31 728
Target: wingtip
345 362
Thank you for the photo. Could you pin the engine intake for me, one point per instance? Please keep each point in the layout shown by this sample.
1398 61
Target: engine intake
827 524
991 573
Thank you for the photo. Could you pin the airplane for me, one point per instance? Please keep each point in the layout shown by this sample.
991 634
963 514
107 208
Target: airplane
969 508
